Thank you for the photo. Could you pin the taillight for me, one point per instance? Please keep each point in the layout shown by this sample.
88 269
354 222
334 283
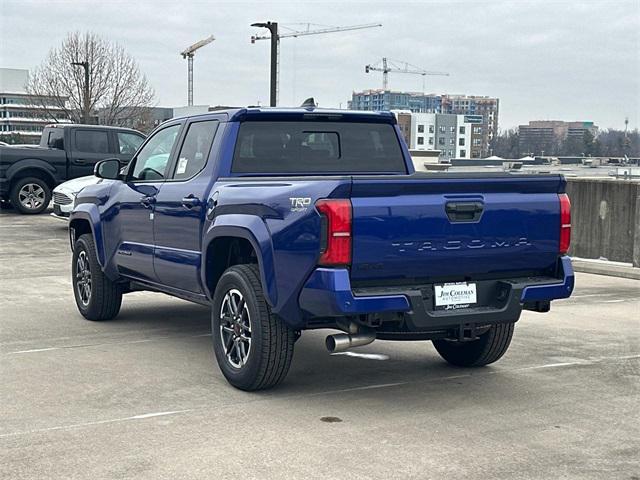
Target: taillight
336 231
565 223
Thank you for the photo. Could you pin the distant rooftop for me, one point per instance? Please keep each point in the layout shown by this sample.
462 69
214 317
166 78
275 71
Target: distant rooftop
560 123
451 96
396 92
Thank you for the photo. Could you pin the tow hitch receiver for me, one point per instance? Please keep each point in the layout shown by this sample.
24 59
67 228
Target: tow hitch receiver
468 332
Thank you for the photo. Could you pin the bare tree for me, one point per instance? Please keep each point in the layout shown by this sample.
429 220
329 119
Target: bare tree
116 91
506 144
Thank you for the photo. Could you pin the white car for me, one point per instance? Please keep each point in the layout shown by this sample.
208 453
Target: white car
64 195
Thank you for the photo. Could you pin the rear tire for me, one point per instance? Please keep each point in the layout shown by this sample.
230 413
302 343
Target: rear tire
253 347
97 297
30 195
488 348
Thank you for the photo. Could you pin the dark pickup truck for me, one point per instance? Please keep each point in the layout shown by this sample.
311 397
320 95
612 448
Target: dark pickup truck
27 175
285 220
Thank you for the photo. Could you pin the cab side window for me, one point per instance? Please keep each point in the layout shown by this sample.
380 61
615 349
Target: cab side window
92 141
56 139
195 149
128 143
151 161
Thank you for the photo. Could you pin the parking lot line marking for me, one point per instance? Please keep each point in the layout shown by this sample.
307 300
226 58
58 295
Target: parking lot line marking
612 301
626 357
355 389
156 414
34 350
562 364
99 422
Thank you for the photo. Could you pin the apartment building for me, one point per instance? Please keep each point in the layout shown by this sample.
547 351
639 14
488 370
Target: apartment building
21 115
472 105
393 100
451 135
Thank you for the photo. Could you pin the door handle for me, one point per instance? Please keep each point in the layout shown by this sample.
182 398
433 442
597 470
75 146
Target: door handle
81 161
464 211
190 201
148 201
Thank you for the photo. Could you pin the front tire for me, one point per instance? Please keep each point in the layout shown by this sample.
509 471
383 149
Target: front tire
253 347
488 348
97 297
30 195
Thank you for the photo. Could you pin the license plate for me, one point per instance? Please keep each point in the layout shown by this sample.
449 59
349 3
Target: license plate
450 296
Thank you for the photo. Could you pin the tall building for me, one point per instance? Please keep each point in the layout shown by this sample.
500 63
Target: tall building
485 108
451 135
392 100
545 136
21 116
475 105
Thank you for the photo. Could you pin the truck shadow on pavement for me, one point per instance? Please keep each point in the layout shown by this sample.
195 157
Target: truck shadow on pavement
313 371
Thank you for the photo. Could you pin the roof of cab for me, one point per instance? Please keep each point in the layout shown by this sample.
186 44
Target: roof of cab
92 127
309 114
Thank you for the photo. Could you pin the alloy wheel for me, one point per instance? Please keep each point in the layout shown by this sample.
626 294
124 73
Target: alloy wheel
31 196
235 328
83 278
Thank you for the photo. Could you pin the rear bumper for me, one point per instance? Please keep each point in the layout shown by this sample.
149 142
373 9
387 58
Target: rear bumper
555 290
328 293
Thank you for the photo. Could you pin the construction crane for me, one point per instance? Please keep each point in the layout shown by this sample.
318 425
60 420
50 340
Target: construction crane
387 65
275 37
188 53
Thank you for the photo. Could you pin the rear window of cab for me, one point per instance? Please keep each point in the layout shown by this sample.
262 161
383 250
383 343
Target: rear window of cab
317 147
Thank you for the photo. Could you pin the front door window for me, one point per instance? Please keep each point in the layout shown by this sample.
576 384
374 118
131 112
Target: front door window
151 162
195 149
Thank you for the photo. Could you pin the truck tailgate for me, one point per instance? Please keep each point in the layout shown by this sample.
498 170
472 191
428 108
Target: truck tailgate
454 227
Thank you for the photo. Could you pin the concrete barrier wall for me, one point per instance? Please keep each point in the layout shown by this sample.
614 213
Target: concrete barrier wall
605 218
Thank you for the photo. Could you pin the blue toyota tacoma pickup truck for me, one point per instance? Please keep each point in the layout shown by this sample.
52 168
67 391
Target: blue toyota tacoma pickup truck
283 220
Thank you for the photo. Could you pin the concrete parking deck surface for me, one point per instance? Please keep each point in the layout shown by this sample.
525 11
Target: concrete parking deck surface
141 396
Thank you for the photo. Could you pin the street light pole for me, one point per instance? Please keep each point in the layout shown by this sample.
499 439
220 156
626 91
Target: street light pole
85 107
273 28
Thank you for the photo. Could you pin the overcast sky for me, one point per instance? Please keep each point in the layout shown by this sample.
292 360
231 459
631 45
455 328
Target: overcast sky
565 60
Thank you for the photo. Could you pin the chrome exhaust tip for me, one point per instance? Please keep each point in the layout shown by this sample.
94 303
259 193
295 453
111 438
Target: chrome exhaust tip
341 342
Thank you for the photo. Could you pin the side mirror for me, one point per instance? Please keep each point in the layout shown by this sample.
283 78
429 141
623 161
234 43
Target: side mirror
109 169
